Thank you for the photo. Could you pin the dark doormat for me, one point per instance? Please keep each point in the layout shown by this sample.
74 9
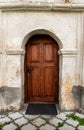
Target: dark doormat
40 108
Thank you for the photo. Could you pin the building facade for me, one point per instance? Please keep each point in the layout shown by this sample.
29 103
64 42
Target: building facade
53 30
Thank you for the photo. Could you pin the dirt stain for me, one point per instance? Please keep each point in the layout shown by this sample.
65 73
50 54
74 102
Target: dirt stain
67 91
18 72
67 1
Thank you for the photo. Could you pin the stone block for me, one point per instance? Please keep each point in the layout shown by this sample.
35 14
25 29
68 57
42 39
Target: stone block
9 127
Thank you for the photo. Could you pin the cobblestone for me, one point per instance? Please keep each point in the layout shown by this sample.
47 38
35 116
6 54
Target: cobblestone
15 115
66 127
72 122
80 115
28 127
20 121
61 116
3 120
38 122
11 126
81 128
31 117
55 121
47 127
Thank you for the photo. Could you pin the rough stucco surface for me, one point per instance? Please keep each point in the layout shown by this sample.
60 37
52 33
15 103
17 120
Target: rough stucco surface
18 26
0 70
78 1
38 20
13 71
58 1
8 1
9 98
35 1
66 93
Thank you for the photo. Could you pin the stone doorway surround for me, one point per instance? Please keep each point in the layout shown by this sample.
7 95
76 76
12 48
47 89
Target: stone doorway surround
66 101
42 32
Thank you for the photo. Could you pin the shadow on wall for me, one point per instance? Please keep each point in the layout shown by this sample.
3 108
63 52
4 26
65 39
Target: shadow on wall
9 96
68 1
78 95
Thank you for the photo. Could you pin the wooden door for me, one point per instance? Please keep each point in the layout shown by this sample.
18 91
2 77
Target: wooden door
41 69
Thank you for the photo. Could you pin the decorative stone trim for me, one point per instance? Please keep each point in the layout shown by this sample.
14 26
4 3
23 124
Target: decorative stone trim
15 52
68 52
41 6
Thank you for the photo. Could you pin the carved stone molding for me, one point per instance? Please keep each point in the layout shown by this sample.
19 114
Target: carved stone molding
68 52
42 6
15 52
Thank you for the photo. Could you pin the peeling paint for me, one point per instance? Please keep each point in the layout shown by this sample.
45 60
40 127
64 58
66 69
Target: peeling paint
18 72
10 98
66 93
13 71
28 23
78 95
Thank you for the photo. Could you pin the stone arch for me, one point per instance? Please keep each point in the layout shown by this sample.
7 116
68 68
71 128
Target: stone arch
24 42
41 31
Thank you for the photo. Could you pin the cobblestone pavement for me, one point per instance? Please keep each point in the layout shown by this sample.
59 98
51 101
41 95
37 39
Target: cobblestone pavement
20 121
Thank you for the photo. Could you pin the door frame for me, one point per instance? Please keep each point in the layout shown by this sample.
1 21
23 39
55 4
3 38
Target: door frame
27 88
24 42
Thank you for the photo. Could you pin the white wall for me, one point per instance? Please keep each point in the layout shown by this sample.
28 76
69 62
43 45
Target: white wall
18 24
78 1
57 1
66 25
0 54
8 1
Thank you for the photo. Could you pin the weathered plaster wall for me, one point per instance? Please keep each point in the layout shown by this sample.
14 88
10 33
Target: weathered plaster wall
42 1
83 52
0 54
8 1
58 23
0 69
11 89
67 26
56 1
78 1
18 24
13 71
68 81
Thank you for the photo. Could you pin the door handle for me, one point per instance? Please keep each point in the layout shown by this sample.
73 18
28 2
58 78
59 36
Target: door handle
29 70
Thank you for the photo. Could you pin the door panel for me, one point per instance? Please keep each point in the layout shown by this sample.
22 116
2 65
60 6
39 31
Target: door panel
48 81
41 69
35 80
48 52
32 55
35 53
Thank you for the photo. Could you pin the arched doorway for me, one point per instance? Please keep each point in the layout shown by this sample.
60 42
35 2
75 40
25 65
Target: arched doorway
41 69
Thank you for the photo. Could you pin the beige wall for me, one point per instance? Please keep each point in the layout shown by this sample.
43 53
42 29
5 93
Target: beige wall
17 26
57 1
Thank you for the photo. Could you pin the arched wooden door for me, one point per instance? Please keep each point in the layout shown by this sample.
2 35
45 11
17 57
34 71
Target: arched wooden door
41 69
